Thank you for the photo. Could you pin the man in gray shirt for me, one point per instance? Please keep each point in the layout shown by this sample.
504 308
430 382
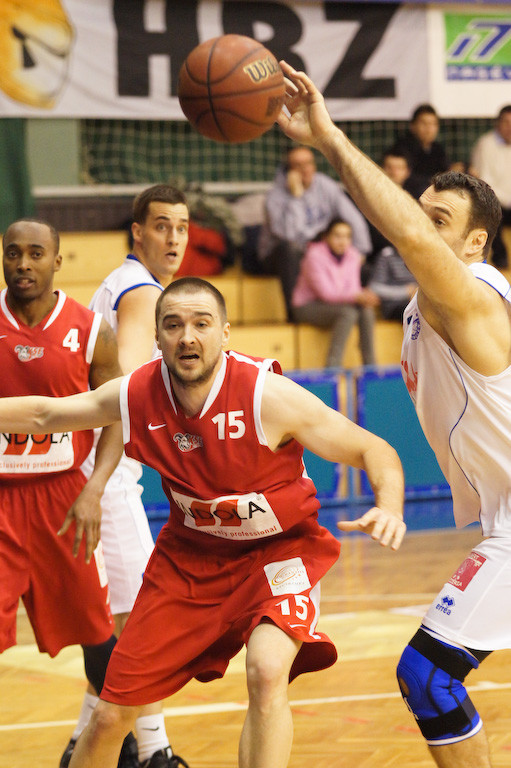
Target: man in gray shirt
299 206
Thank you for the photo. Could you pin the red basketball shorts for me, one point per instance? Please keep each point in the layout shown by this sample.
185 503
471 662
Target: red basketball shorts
66 600
196 610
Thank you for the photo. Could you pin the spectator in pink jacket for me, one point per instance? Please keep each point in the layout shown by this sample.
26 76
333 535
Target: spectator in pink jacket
329 293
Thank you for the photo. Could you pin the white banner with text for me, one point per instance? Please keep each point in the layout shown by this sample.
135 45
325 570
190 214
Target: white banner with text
121 58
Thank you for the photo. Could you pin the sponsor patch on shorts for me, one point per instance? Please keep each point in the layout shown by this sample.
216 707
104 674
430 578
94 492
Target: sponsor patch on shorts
467 570
287 576
99 557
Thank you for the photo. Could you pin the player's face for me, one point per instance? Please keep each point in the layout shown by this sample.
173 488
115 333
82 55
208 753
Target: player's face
29 260
449 213
191 335
160 242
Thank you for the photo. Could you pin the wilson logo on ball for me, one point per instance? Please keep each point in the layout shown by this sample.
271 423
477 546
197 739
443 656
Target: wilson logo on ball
262 69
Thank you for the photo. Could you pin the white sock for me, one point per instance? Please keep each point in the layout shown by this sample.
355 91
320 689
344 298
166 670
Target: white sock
88 704
151 735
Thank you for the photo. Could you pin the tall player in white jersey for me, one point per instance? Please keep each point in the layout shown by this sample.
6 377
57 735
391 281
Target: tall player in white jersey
456 365
127 299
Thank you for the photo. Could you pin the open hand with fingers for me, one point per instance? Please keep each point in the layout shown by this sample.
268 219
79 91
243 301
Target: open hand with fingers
382 526
304 117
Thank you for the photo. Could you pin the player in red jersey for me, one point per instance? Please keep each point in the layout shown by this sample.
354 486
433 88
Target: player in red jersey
49 515
241 558
127 299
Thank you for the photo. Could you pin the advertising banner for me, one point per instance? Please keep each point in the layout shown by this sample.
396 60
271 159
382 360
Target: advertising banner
121 58
372 60
470 61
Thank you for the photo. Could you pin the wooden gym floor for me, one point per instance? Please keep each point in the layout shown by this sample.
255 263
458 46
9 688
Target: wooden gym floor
349 716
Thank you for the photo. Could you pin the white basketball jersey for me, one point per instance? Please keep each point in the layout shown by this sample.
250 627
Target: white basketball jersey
465 416
131 274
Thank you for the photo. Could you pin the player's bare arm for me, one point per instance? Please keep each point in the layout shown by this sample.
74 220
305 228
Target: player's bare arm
85 513
136 332
36 414
392 210
290 411
458 305
136 326
105 362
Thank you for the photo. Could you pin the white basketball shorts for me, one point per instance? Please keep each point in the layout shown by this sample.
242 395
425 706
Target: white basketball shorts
472 608
125 533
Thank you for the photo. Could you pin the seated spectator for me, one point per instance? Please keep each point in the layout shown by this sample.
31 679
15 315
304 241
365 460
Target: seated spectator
329 294
426 155
491 161
389 278
397 167
392 282
299 206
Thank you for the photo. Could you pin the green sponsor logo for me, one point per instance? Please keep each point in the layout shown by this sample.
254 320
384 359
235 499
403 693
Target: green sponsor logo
478 46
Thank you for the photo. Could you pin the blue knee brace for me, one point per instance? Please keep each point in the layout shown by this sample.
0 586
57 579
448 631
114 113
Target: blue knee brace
430 675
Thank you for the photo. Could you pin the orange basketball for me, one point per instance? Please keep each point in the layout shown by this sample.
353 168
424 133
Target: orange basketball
231 88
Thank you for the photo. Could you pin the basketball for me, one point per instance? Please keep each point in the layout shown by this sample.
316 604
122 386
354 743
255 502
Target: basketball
231 88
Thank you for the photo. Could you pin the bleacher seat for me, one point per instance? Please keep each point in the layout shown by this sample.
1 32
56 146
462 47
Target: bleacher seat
276 340
90 256
312 345
229 285
261 299
87 258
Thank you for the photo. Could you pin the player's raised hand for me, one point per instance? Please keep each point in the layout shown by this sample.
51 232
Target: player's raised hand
306 120
382 526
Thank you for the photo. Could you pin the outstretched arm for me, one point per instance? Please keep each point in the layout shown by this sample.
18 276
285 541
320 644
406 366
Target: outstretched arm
37 415
290 411
465 311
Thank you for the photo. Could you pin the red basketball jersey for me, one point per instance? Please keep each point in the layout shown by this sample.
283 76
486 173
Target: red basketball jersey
222 480
53 359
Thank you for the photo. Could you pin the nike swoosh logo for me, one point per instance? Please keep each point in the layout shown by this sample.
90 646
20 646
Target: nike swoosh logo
155 426
151 729
4 336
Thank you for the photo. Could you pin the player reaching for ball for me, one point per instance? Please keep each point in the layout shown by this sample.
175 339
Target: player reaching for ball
241 557
457 368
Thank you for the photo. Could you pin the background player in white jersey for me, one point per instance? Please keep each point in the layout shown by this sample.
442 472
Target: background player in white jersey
49 513
241 557
456 364
127 299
